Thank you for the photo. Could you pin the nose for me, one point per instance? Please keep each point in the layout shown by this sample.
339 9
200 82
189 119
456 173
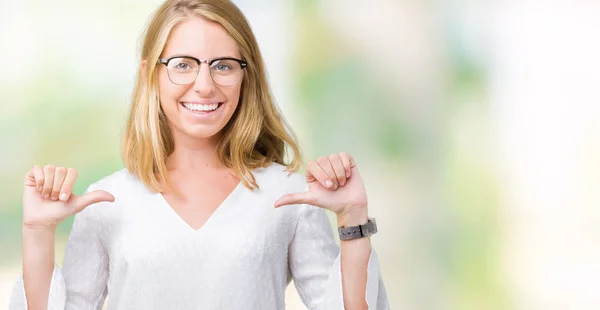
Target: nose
204 84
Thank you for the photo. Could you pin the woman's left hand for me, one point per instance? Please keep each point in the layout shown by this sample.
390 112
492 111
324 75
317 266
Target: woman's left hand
333 184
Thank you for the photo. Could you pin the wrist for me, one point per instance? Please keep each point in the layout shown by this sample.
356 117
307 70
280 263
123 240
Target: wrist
36 239
354 217
38 230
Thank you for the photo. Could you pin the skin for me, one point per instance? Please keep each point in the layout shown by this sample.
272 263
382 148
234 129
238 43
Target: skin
334 182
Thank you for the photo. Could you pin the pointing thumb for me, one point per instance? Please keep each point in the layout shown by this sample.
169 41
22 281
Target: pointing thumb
295 198
92 197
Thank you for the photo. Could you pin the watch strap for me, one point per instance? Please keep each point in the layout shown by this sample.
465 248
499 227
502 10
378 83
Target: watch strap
355 232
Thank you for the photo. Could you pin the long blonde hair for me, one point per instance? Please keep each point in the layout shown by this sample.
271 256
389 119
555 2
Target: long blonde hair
256 135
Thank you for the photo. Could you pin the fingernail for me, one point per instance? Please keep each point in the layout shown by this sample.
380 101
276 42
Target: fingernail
46 196
328 183
348 174
63 196
54 199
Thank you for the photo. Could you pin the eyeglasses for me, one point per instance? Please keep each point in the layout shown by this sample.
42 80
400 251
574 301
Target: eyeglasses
225 71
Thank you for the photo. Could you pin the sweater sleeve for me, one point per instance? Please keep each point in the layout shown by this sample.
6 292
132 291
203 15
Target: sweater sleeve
314 261
82 282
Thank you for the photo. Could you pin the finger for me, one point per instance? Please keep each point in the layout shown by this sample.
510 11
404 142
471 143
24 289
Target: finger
326 166
314 173
30 178
48 180
346 161
38 174
79 203
59 178
352 163
295 198
338 168
67 186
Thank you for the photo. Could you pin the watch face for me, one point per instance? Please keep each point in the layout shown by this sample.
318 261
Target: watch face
370 228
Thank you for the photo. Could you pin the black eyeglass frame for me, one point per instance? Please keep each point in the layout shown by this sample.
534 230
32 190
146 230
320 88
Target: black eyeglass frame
209 62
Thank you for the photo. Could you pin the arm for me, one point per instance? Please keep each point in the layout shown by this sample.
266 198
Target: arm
38 265
81 284
323 277
334 183
355 255
311 257
85 267
47 201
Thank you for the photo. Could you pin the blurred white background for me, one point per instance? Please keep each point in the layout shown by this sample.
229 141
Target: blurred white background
476 125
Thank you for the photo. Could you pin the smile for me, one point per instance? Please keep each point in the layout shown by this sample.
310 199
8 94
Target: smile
201 108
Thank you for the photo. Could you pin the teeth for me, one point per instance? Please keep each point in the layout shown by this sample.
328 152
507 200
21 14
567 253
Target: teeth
201 107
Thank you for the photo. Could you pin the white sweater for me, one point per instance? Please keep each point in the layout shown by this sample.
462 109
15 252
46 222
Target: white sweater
141 254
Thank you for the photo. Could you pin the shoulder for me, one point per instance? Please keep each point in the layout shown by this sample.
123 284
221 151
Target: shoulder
116 183
275 181
276 176
123 186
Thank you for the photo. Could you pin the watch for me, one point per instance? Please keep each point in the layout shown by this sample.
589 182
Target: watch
354 232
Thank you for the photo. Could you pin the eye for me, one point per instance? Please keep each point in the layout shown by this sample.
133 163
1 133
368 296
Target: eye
182 66
224 65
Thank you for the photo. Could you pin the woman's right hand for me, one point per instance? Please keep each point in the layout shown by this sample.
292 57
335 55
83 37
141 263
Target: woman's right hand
48 198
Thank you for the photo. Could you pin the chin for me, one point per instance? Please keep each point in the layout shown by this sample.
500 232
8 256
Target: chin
201 132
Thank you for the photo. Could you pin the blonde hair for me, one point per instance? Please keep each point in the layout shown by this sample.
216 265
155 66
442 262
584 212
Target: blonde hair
256 135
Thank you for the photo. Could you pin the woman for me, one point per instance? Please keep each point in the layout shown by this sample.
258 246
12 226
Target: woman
196 219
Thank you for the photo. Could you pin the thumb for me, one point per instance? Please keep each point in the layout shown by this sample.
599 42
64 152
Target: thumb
294 198
96 196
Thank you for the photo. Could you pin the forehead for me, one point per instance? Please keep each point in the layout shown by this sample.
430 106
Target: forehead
201 38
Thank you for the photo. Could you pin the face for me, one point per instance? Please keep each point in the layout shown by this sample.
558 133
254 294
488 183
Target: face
188 108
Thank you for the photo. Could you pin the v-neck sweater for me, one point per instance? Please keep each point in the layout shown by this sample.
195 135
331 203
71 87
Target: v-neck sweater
142 255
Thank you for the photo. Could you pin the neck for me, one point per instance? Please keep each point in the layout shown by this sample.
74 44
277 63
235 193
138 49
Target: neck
194 154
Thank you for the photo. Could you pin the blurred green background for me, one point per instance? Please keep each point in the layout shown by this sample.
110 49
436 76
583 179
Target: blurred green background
474 124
